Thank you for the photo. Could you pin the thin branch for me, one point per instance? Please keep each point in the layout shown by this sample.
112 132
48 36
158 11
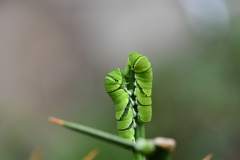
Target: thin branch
92 132
158 149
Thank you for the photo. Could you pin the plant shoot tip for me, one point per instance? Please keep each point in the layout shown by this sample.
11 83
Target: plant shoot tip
208 157
56 120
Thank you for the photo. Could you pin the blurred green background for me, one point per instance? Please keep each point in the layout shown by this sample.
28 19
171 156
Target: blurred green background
55 55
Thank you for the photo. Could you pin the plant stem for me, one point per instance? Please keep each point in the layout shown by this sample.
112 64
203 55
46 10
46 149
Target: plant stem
139 133
159 148
93 132
137 155
139 130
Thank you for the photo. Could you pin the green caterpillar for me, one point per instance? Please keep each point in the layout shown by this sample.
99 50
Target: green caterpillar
143 76
115 86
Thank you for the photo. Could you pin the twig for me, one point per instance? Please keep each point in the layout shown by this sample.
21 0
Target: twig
158 149
92 132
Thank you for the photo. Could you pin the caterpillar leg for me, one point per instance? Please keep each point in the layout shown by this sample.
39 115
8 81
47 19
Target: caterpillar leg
138 115
134 124
133 140
130 92
135 83
134 112
135 92
132 101
136 101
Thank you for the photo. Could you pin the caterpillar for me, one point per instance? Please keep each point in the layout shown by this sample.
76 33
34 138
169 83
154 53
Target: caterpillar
115 86
143 83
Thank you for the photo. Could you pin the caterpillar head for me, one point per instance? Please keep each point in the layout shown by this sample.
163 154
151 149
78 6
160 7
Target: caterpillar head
113 80
138 62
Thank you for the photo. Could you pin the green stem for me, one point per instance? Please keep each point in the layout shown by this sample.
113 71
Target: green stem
137 155
93 132
139 130
139 133
158 149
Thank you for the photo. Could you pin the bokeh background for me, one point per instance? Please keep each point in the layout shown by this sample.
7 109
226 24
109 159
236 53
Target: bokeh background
54 56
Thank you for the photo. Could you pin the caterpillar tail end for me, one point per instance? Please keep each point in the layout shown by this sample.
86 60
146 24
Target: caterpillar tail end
142 121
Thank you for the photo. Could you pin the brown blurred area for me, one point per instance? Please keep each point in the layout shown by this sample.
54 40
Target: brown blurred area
46 46
38 48
54 56
42 69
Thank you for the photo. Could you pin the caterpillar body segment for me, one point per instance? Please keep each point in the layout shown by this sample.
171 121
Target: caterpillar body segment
143 85
115 86
138 62
143 72
113 80
142 99
122 102
126 129
145 114
144 107
144 82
